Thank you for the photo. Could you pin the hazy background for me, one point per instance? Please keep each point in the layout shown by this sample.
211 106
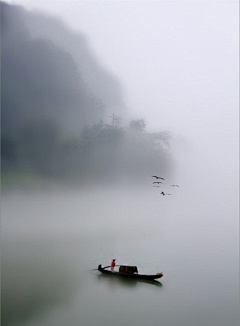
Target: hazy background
76 183
174 64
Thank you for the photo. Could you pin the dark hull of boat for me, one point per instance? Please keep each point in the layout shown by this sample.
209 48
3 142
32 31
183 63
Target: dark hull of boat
132 276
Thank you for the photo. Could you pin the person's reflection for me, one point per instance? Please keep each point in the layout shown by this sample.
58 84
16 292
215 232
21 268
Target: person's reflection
112 284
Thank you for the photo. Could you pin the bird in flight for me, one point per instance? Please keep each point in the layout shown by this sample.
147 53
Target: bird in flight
174 186
163 193
154 176
157 182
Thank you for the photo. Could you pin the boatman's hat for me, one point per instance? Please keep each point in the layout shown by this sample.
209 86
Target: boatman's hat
114 259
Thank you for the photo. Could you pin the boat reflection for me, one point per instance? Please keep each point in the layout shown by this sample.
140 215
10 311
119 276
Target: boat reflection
128 282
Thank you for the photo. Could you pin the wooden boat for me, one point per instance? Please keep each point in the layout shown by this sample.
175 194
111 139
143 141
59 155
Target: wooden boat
129 272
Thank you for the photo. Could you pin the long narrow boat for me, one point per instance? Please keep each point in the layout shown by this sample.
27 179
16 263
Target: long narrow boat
129 272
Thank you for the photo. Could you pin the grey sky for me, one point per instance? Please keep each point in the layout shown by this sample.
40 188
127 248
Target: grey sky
177 60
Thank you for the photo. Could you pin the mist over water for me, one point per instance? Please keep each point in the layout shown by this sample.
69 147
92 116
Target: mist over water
74 198
52 239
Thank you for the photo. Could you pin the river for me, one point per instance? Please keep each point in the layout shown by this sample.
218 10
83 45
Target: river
51 239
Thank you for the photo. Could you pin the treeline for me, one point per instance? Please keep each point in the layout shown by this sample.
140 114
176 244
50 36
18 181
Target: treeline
102 152
53 86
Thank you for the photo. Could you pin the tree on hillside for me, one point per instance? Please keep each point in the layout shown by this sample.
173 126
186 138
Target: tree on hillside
138 125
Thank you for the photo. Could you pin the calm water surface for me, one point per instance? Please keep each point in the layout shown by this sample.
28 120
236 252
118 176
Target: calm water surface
52 239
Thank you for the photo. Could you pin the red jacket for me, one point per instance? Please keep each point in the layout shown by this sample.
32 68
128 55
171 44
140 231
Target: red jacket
113 264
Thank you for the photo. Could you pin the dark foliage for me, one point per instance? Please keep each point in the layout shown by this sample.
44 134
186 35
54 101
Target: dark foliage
49 96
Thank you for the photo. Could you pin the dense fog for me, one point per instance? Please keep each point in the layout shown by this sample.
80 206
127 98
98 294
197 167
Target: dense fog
98 100
56 102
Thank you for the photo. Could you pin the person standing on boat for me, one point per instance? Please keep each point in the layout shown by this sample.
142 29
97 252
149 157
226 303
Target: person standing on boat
113 264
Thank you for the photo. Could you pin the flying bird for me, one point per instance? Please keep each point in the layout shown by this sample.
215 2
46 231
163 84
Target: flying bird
154 176
157 182
163 193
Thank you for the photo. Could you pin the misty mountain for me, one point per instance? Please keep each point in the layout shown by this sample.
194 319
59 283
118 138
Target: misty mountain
55 96
100 82
49 71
